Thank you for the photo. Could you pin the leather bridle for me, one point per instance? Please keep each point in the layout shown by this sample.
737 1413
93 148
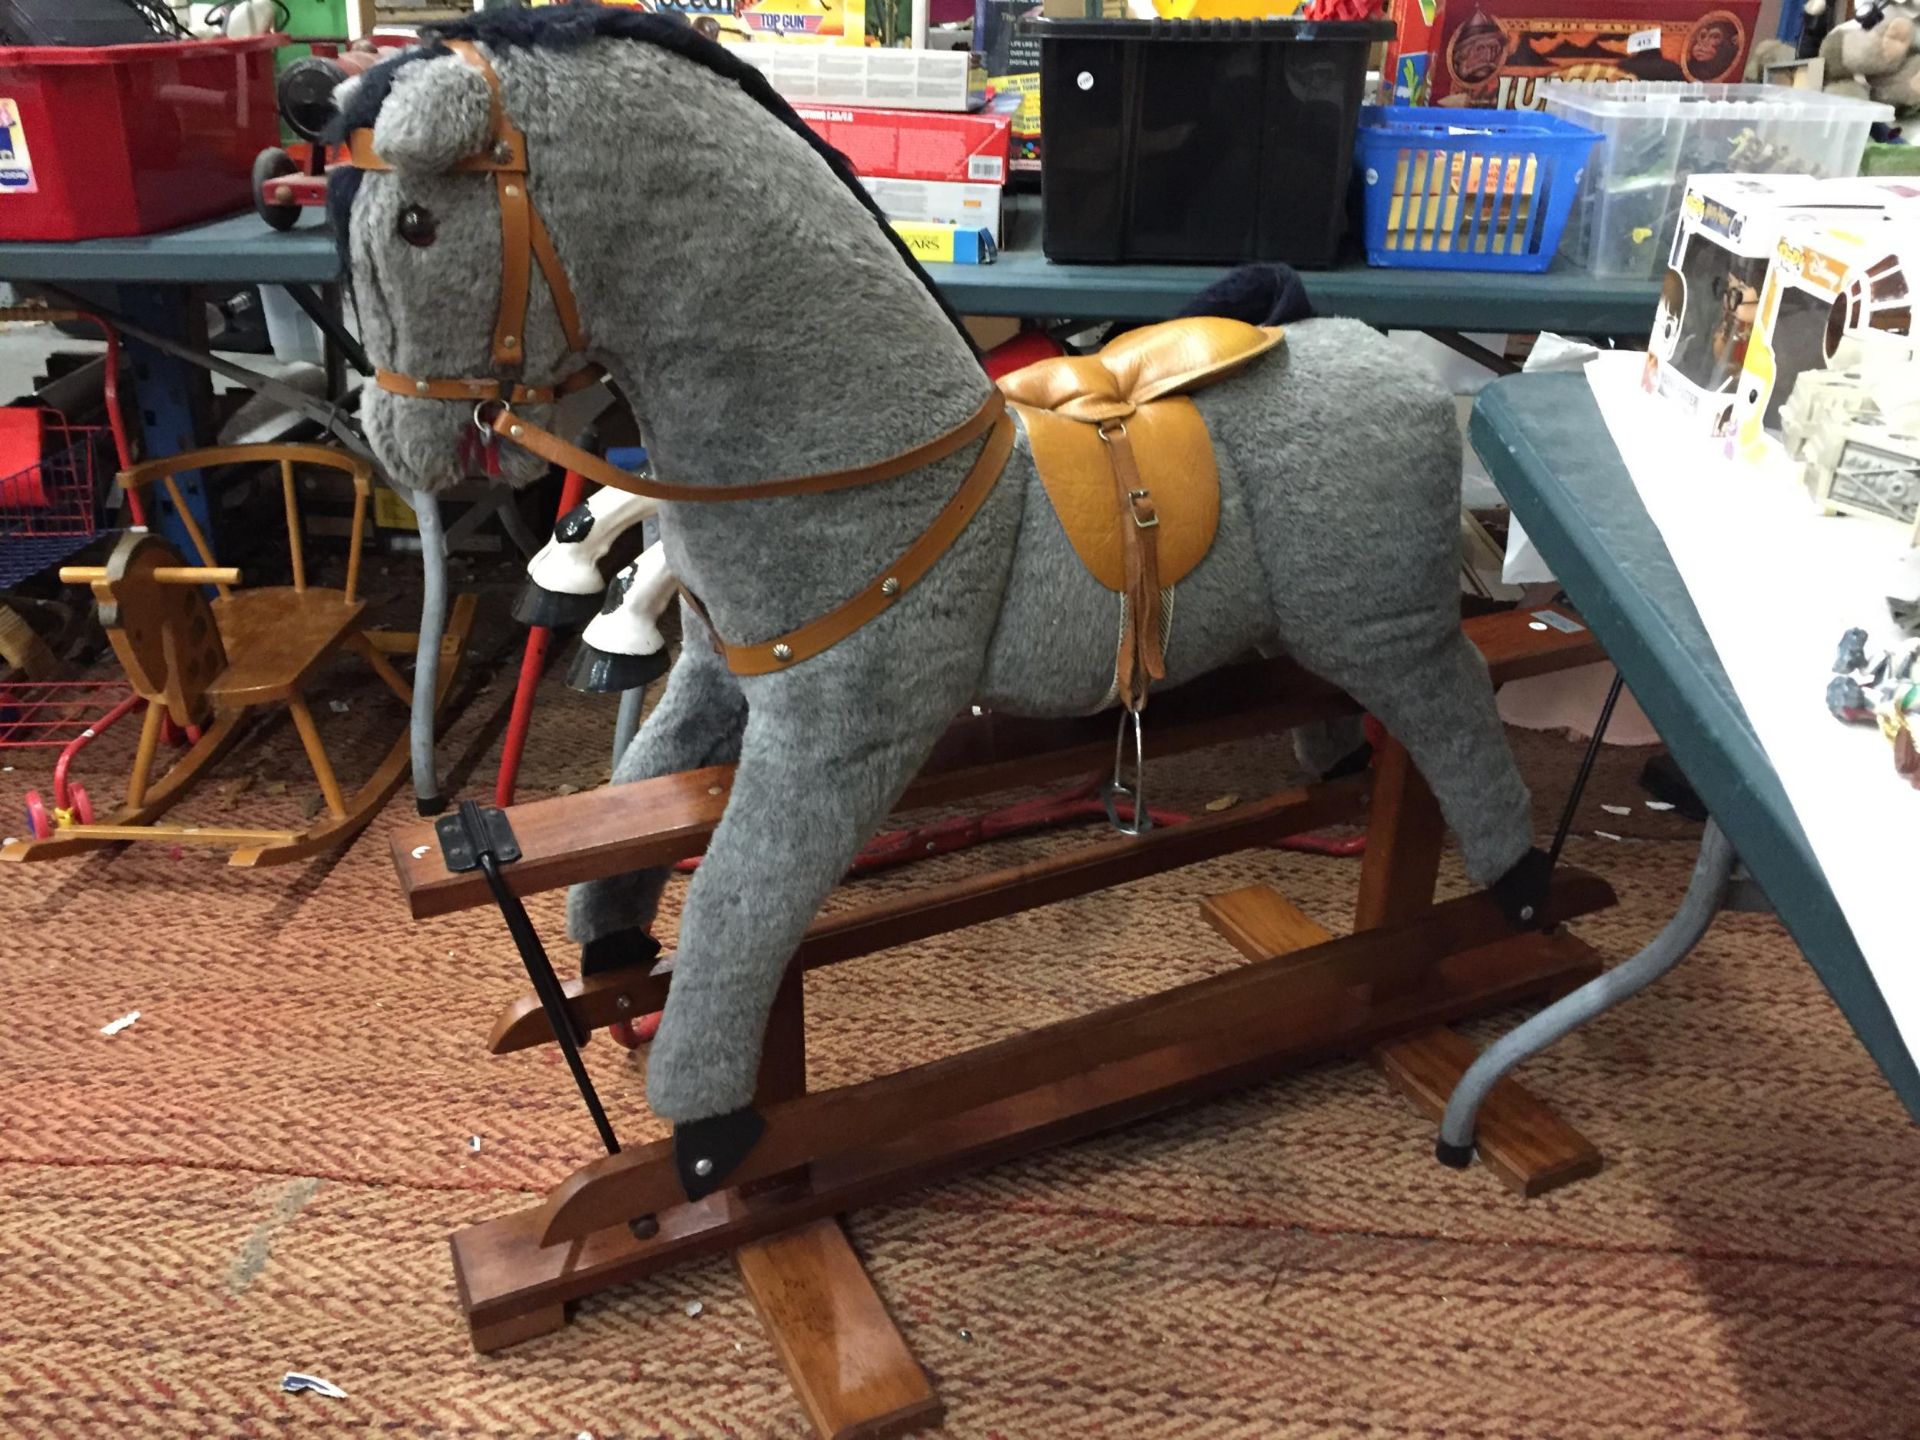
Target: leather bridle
525 243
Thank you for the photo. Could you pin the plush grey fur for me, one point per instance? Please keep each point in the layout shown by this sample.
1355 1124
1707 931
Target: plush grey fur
765 327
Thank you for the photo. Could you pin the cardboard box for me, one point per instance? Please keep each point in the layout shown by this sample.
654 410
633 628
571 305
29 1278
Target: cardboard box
915 144
1495 53
939 202
804 22
1839 290
1011 54
1730 227
948 244
896 79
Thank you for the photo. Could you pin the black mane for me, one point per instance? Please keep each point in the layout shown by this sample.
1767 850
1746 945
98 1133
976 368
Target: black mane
555 27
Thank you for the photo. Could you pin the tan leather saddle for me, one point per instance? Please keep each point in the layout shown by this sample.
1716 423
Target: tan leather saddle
1129 466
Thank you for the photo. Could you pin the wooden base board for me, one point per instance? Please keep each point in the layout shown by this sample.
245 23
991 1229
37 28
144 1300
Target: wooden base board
846 1360
503 1271
1518 1137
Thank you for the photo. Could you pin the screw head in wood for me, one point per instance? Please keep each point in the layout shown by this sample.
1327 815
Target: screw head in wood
703 1167
783 652
890 585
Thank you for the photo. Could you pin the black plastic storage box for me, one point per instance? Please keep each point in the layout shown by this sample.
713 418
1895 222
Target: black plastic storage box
1199 140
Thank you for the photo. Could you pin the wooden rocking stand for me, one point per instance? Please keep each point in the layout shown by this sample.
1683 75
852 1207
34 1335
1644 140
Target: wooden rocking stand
209 666
1388 991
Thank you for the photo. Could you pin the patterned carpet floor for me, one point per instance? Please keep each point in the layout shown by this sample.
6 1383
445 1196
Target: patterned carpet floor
260 1174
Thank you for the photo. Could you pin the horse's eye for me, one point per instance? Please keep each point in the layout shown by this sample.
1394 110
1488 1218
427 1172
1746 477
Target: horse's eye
417 226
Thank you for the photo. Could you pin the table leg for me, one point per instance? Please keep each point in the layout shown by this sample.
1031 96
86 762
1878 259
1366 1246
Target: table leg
175 399
426 669
627 723
1666 950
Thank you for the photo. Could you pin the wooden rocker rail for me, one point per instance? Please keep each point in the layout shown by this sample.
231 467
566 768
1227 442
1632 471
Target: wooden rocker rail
1231 1012
1042 1088
620 828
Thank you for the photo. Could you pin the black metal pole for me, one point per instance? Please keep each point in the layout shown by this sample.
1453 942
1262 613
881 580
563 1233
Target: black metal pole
1586 769
552 999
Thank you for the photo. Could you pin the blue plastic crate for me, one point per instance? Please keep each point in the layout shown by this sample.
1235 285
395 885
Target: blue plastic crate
1467 189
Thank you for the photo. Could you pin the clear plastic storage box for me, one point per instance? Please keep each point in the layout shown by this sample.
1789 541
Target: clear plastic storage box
1655 134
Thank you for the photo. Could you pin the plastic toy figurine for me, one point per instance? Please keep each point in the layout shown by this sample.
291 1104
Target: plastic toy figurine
1880 689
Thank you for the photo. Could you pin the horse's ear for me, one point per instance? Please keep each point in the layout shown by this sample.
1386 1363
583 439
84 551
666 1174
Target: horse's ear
438 113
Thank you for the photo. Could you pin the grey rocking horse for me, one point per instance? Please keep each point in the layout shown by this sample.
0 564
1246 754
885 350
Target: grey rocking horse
552 197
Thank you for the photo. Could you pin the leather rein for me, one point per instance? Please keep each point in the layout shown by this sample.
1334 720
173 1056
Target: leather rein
526 243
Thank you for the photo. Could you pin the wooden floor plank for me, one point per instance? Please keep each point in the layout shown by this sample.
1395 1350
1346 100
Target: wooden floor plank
847 1361
1518 1136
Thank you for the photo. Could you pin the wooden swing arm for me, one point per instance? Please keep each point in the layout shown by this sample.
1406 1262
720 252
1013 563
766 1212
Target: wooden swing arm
599 1000
1226 1015
620 828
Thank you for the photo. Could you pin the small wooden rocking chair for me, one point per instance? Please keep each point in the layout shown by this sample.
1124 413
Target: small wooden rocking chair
208 665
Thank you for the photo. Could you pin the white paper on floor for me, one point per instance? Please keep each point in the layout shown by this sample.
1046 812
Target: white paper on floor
1776 584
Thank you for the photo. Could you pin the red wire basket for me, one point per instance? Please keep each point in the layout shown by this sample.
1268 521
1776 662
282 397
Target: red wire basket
51 508
52 714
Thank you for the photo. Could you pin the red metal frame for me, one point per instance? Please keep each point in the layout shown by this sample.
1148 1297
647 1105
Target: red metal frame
533 661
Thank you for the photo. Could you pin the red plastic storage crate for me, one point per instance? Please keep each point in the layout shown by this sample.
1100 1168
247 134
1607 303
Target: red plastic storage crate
129 139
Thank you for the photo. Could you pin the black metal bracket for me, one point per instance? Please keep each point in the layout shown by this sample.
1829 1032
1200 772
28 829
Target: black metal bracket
706 1151
462 840
1521 893
481 838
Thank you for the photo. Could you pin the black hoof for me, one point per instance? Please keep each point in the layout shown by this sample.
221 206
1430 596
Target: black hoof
1454 1157
555 609
429 805
600 672
705 1152
1521 893
622 950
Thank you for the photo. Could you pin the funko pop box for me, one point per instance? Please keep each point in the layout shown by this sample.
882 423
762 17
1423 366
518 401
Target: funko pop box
1730 226
1839 291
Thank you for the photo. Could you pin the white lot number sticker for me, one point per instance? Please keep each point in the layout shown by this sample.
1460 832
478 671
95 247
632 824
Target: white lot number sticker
1642 41
16 165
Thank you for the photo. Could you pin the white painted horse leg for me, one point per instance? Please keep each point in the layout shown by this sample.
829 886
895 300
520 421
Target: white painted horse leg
622 647
563 580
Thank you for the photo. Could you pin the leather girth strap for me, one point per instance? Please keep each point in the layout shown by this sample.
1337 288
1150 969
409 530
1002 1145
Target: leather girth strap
782 652
1140 661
